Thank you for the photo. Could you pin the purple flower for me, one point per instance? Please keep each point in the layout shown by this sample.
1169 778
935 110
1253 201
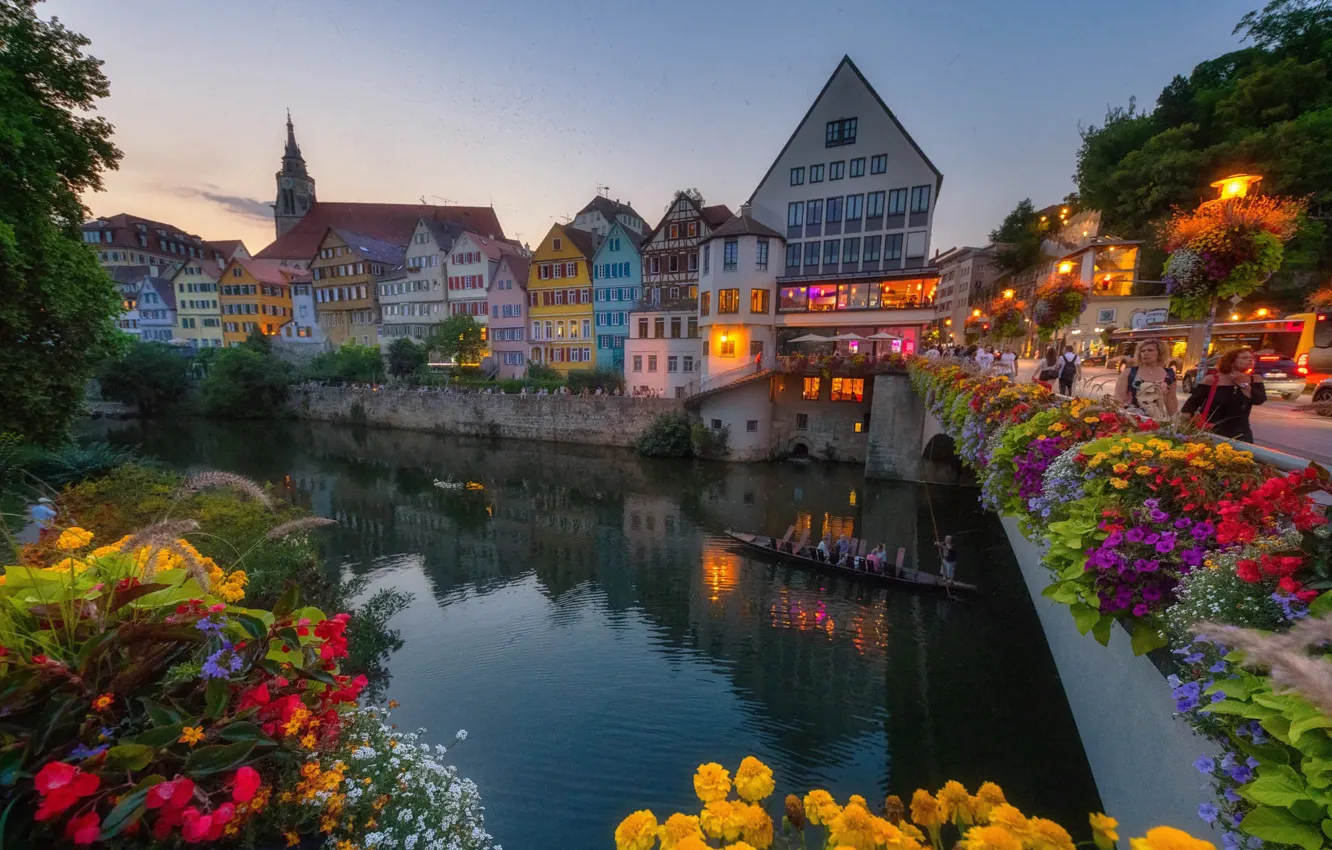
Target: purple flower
221 663
1183 523
1166 544
1151 539
1151 593
1251 762
1172 680
1208 812
1158 515
1219 667
1203 530
1145 566
1231 840
1113 539
1135 534
1151 504
1193 556
1140 610
81 752
1205 764
1240 773
208 624
1231 796
1218 696
1193 658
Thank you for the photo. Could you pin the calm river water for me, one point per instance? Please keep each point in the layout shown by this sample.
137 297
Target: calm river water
587 623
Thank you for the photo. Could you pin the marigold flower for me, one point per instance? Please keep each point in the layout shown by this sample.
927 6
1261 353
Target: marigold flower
103 702
820 808
677 828
757 827
1010 819
712 820
740 845
1169 838
73 538
293 837
987 797
1048 835
1104 831
795 812
854 825
191 735
692 844
925 809
893 809
990 838
712 782
955 803
1118 483
753 781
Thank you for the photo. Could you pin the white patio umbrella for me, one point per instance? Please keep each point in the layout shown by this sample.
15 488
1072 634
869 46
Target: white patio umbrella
882 335
814 338
848 337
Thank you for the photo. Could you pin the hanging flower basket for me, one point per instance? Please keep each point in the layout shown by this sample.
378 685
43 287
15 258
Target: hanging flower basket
1008 319
1060 301
1225 248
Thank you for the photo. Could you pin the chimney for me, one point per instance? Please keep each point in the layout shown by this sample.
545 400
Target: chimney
745 210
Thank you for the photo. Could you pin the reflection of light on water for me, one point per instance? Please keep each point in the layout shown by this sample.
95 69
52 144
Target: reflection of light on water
866 624
720 570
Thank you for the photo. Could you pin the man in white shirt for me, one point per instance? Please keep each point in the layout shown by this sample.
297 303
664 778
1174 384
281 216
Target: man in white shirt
984 359
932 353
1008 363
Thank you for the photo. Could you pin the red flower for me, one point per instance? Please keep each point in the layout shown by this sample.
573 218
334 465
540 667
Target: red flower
245 784
195 827
61 786
84 829
255 696
172 794
1306 596
1247 570
224 813
1289 585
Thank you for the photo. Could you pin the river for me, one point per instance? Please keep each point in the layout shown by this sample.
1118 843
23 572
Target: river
584 619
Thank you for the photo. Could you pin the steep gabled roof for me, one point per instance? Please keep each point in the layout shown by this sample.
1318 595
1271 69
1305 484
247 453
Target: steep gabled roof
392 223
206 266
716 215
610 209
493 249
581 239
743 225
271 271
163 288
227 247
846 61
370 248
518 267
636 239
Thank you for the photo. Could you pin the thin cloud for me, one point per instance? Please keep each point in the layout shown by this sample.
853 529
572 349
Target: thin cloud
238 204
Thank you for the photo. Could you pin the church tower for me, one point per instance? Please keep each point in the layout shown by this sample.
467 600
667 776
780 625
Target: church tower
295 187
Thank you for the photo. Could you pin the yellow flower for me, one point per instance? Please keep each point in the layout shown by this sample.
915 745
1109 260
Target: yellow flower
713 818
1104 830
191 735
1048 835
1169 838
73 538
1057 427
1120 468
1143 470
712 782
308 740
857 800
820 807
739 845
911 831
987 797
677 828
637 832
955 803
1118 483
103 702
925 809
990 838
293 837
753 781
1091 420
1010 819
757 826
854 826
692 844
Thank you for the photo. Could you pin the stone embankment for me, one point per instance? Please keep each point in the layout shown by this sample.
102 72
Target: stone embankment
595 420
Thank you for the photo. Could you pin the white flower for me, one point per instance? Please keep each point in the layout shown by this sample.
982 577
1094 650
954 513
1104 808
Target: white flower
462 735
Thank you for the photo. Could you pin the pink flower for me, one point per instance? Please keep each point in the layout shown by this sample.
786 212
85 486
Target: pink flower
172 794
61 786
245 785
84 829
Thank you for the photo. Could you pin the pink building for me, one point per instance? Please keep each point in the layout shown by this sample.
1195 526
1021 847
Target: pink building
508 316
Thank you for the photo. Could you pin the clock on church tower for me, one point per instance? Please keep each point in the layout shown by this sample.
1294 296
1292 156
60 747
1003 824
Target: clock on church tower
295 186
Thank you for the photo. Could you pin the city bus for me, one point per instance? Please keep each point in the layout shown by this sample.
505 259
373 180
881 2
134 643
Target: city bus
1305 338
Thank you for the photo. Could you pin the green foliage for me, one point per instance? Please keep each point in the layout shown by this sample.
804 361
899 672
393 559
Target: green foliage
669 435
711 442
606 378
1265 109
56 466
458 338
244 382
351 363
1019 238
57 316
150 375
542 372
406 357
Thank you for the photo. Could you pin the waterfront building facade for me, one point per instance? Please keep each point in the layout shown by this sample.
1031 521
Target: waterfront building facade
601 212
737 298
198 311
559 300
255 295
130 240
415 299
508 316
344 272
617 276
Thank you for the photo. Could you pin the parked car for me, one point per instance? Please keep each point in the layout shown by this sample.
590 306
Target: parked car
1094 360
1279 375
1322 397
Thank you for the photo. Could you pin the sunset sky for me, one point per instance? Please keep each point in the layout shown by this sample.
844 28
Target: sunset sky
530 106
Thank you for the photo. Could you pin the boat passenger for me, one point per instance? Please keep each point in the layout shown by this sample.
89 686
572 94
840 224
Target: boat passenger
875 558
823 550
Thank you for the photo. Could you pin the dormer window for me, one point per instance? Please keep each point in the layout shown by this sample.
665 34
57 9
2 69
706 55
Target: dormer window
557 243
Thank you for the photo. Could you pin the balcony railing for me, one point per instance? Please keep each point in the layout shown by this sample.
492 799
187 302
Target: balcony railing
841 364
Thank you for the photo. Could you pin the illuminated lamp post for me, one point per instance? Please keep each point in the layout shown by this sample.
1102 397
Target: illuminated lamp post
1227 189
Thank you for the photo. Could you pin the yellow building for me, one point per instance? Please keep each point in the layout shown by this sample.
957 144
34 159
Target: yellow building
198 309
345 271
559 299
256 294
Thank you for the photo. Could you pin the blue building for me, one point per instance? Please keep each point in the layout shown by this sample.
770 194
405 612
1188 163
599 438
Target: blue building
617 281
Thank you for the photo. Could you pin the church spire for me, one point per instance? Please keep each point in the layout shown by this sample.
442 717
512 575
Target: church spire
295 186
293 150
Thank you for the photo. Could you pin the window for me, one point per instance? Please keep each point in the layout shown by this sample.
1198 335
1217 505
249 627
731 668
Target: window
795 216
858 167
850 250
755 347
812 253
915 244
840 132
704 301
716 424
652 362
692 229
859 426
802 421
672 363
793 255
848 389
674 231
853 207
730 255
638 362
811 389
879 163
658 328
751 425
758 301
834 210
892 246
642 328
814 212
797 176
871 254
693 262
836 170
897 201
816 174
831 248
673 263
761 256
557 243
874 204
726 348
236 271
728 301
920 199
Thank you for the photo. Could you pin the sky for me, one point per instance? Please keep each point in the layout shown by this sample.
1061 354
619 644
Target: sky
531 106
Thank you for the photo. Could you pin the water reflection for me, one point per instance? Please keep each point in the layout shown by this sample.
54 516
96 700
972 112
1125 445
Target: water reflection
582 615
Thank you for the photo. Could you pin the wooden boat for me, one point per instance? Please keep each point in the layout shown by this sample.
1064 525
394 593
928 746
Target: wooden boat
760 543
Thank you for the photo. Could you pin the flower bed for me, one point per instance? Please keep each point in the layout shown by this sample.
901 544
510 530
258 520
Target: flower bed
1155 527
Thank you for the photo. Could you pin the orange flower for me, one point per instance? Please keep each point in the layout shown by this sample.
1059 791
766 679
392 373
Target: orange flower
191 735
103 702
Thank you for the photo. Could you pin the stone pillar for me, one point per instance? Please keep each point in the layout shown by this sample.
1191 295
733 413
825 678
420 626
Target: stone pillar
899 430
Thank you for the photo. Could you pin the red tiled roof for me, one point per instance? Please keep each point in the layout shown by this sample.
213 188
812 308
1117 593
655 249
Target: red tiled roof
392 223
271 271
226 247
716 215
494 249
125 230
517 267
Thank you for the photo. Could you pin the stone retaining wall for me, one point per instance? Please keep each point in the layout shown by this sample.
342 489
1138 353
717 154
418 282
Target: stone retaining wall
598 420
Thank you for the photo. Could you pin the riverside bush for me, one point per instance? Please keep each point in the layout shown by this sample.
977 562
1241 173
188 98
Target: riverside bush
669 435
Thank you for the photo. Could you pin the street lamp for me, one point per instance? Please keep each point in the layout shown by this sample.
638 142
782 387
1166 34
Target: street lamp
975 314
948 323
1262 312
1236 185
1008 294
1065 267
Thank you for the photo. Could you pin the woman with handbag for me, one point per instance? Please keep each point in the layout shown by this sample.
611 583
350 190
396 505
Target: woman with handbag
1224 398
1149 385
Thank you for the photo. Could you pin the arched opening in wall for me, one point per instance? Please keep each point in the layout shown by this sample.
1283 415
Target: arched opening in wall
941 448
799 451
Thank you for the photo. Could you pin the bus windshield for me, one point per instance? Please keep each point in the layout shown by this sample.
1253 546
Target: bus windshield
1284 343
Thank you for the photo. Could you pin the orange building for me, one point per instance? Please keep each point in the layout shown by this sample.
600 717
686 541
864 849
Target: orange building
256 294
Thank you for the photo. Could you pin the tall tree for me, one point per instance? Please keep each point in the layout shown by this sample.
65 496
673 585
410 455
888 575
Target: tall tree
458 337
151 375
406 357
57 313
1018 239
693 193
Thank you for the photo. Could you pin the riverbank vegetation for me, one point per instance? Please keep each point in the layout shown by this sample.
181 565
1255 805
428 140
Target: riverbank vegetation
675 435
1156 528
